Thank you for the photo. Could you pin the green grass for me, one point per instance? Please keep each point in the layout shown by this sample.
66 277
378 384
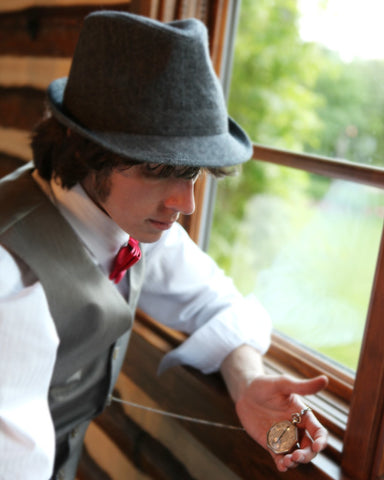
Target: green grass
311 263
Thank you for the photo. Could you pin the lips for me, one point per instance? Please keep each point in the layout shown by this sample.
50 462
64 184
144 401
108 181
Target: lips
162 225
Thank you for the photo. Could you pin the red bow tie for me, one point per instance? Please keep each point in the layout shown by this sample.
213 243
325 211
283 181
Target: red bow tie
126 257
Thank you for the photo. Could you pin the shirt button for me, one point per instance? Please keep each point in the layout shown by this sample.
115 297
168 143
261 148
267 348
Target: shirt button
60 475
74 433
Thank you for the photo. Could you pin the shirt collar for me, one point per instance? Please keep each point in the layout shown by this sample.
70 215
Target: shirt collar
101 235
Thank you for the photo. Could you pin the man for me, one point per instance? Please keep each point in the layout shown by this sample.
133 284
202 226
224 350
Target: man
128 132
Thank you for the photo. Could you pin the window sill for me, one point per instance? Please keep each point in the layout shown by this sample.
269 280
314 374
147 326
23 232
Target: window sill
184 390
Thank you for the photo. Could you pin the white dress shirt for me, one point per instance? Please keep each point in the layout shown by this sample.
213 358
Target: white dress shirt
183 288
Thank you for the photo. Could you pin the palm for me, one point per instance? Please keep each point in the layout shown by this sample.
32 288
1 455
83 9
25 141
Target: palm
268 400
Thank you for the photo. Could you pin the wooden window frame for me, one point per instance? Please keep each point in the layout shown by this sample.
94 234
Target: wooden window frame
352 408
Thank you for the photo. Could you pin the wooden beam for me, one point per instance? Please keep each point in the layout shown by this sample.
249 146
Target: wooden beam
108 461
34 72
43 31
171 433
145 452
364 440
8 163
12 5
20 108
15 143
187 9
329 167
167 10
89 469
217 22
190 393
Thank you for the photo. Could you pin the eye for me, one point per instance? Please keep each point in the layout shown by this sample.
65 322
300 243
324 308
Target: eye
126 171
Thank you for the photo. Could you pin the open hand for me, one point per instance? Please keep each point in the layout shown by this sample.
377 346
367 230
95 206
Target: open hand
271 399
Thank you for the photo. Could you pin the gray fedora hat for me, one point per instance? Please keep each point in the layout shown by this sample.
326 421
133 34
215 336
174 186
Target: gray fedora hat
146 90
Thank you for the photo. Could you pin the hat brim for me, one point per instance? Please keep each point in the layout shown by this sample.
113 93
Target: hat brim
223 150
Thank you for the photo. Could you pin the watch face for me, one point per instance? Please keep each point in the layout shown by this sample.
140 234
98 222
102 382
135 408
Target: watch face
282 437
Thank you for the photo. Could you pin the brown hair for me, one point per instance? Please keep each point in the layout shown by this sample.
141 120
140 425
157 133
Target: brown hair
59 152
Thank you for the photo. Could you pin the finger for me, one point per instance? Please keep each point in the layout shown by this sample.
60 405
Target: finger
280 464
305 387
318 434
302 455
294 459
289 462
320 439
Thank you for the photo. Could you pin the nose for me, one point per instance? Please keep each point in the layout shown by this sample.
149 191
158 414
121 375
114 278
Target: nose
181 197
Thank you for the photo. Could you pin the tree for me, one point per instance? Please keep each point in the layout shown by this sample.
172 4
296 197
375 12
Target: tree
272 97
352 110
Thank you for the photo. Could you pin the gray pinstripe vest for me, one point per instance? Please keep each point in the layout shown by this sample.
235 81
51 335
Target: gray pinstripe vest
92 319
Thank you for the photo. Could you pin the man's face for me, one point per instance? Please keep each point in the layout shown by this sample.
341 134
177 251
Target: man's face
143 203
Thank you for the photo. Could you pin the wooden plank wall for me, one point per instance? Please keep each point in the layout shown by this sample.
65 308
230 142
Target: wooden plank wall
37 40
128 443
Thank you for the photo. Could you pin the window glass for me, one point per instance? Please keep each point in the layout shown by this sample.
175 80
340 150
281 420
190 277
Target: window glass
308 75
304 244
307 247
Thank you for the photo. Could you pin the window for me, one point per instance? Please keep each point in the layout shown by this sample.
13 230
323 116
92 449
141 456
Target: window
318 185
282 231
307 246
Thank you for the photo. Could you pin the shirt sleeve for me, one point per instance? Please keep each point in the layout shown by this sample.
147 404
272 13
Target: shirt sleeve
185 289
27 355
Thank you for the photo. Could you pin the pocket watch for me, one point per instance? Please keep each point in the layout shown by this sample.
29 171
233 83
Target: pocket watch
283 437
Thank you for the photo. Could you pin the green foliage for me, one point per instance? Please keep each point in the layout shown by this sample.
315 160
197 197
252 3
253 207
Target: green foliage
352 110
272 98
273 76
300 96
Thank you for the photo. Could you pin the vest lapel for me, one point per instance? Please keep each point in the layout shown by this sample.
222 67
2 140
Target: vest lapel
89 312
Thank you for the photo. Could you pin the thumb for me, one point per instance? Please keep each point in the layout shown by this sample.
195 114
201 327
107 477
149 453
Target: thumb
308 386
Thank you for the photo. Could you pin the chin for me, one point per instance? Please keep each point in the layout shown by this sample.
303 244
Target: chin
148 238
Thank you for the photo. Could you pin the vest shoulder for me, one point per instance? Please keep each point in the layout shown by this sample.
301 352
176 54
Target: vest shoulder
19 195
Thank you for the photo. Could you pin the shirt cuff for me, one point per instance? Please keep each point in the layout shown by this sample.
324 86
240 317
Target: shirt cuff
246 322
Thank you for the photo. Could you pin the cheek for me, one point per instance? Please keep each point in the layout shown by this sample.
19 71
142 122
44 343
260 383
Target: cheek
131 201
